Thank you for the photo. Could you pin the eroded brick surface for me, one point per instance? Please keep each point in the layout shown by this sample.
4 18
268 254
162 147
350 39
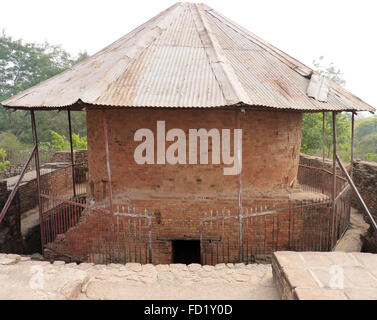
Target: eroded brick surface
179 195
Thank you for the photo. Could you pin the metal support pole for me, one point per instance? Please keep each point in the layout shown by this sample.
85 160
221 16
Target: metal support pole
108 161
15 188
334 177
349 179
150 238
323 150
72 160
352 142
239 182
323 140
37 169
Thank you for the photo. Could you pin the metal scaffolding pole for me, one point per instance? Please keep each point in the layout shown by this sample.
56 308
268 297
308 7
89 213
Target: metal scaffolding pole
239 196
323 149
352 142
323 140
72 159
105 133
349 179
334 177
37 169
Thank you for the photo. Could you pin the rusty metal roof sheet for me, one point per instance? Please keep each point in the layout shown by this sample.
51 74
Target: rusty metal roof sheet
189 56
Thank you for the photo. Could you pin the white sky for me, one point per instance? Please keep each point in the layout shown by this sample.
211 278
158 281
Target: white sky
344 31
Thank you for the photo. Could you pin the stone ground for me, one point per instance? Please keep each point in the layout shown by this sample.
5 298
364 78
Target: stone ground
351 241
325 275
304 275
22 278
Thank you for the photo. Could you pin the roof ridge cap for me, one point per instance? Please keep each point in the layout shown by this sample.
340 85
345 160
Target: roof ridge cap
293 63
227 68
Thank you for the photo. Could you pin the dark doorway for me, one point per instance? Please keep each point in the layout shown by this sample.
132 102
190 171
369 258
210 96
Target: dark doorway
186 251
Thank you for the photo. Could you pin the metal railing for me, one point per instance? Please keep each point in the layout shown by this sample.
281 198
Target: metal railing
319 180
81 232
314 225
85 233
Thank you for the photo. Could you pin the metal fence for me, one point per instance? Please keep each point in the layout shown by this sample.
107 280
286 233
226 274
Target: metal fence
85 233
255 233
60 183
319 180
73 229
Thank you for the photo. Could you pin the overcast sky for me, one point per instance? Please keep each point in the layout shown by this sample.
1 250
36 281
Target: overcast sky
343 31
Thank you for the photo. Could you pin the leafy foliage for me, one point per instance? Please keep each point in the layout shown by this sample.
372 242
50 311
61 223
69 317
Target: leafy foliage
3 163
60 142
312 123
11 145
23 65
371 157
312 138
365 128
330 71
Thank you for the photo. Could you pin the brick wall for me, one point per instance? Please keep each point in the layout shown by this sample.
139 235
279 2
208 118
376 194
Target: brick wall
179 195
10 227
13 170
271 143
365 178
79 156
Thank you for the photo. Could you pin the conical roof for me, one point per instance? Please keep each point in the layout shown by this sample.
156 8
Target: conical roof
189 56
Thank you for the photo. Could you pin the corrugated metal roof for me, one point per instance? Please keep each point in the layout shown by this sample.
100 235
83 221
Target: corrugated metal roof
189 56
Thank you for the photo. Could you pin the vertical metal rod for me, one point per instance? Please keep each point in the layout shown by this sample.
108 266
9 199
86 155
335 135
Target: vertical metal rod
323 147
240 215
72 160
37 169
108 161
323 140
352 142
334 175
150 238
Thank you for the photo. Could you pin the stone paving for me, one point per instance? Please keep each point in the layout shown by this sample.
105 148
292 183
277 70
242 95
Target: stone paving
325 275
22 278
293 275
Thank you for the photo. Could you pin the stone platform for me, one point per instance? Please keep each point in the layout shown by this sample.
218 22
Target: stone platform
22 278
325 275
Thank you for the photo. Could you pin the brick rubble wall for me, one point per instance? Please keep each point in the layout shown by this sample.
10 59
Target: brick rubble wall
79 156
10 227
365 178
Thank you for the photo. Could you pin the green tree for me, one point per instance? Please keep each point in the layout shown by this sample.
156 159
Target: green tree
330 71
60 142
366 138
3 163
312 140
23 65
11 145
364 127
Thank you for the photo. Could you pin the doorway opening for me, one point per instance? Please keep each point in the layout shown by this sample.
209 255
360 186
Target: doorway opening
186 251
